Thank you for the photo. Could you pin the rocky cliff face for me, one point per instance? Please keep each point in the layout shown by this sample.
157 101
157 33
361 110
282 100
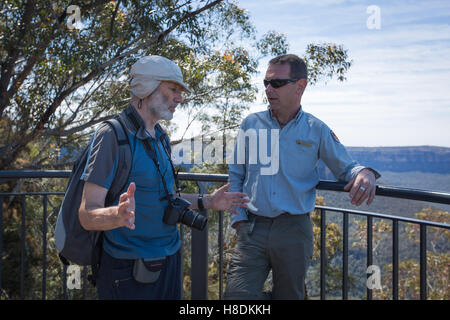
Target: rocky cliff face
399 159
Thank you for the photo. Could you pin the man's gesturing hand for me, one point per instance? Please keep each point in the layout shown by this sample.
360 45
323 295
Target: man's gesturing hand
220 199
127 207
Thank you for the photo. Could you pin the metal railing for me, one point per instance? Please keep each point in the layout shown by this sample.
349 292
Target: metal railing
199 240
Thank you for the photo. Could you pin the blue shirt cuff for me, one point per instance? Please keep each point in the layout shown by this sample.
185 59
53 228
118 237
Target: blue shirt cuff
354 172
241 216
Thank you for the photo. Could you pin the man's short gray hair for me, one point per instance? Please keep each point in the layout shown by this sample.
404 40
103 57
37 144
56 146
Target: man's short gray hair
298 66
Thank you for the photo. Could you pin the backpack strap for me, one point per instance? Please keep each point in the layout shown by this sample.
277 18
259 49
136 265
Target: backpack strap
119 183
125 160
165 141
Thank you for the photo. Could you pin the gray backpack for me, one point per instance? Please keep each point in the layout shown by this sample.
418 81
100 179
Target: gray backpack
74 243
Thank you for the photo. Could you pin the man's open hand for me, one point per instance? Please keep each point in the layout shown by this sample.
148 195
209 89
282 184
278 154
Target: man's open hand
127 207
220 199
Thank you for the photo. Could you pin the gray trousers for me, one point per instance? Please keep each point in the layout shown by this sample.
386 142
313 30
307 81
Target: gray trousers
283 244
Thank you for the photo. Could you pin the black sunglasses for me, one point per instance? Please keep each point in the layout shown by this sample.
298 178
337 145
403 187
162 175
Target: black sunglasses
278 83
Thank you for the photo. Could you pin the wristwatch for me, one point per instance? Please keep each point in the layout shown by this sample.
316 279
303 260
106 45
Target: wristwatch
200 202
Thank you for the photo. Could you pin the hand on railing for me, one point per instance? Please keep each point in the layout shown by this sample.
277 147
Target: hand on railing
362 187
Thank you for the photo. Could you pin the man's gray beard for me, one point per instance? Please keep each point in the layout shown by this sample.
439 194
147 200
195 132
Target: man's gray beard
161 112
159 107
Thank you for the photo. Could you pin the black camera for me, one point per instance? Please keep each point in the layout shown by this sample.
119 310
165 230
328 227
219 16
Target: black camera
178 211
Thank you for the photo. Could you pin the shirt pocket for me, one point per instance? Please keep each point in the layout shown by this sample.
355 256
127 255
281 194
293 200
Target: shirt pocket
302 158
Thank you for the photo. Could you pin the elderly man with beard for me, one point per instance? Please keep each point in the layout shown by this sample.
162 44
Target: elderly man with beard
134 230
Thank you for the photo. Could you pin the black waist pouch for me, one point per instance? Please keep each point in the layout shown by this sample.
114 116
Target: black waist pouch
148 270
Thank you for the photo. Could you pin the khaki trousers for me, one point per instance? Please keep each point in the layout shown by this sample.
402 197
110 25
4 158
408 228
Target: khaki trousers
283 244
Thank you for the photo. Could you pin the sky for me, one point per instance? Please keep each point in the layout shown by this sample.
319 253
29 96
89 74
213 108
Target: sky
397 91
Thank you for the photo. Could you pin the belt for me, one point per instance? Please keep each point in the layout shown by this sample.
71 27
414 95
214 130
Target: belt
251 214
253 217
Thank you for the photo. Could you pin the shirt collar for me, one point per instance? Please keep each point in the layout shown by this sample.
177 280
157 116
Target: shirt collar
296 118
141 133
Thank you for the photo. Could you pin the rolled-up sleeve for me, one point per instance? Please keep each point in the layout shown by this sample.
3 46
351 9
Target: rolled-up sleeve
337 158
102 162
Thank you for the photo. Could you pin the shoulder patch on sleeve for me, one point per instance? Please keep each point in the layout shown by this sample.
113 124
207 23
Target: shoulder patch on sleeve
334 136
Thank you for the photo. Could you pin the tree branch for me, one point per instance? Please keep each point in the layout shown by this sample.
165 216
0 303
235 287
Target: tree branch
7 69
65 133
10 152
113 18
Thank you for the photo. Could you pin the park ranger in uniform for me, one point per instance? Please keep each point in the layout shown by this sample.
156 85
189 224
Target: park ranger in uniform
275 231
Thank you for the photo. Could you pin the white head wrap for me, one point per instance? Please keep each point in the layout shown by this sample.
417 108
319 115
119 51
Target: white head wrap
148 72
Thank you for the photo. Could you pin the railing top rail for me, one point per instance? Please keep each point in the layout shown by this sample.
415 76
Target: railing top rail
388 191
386 216
33 174
43 193
29 174
394 192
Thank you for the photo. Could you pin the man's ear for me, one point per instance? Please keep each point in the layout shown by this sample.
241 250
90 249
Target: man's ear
302 85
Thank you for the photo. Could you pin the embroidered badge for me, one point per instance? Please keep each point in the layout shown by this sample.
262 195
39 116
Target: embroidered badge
334 136
304 143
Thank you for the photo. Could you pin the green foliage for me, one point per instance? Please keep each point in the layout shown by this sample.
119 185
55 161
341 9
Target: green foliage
409 279
56 83
325 61
333 248
273 43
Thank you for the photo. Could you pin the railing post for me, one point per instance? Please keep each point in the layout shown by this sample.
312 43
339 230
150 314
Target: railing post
369 252
22 251
323 254
423 262
345 257
199 260
85 283
220 254
64 281
44 247
395 259
1 240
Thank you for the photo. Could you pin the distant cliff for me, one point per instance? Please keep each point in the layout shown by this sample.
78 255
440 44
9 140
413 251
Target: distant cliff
426 159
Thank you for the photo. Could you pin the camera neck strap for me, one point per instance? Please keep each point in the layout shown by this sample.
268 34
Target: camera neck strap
152 154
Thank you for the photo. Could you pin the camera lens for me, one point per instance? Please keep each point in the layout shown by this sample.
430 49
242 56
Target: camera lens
177 211
193 219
